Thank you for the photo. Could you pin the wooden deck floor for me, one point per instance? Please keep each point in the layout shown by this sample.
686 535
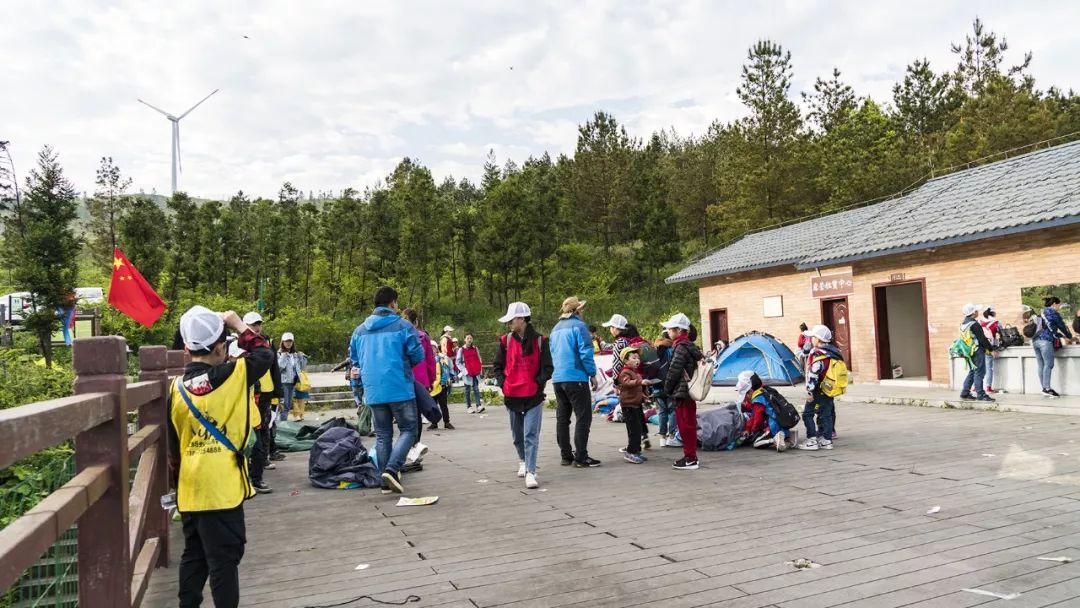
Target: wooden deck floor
1008 488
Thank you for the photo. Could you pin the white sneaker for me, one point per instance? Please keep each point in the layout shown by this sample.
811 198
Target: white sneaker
809 444
481 409
471 410
781 444
673 443
416 453
531 481
521 469
824 444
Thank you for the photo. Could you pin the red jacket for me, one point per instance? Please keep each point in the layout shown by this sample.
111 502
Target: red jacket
521 370
471 357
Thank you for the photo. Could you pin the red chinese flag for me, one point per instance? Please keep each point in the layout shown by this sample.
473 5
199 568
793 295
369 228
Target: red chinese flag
131 294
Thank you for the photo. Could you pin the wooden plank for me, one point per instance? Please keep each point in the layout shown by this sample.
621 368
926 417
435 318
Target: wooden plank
140 393
23 541
30 428
142 439
144 567
139 500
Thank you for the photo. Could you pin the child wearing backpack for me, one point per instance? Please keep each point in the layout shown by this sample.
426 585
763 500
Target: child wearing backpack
826 379
778 415
973 346
440 388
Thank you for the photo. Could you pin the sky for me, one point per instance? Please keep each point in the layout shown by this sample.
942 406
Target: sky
329 95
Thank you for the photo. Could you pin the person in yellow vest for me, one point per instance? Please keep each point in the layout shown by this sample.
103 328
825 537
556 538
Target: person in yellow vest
266 390
212 418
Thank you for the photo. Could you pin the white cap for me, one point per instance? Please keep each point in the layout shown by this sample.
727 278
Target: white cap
447 328
822 333
285 337
616 321
234 349
252 318
677 320
435 345
515 310
200 328
742 386
969 308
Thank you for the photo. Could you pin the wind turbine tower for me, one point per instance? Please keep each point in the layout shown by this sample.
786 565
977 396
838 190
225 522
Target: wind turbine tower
175 120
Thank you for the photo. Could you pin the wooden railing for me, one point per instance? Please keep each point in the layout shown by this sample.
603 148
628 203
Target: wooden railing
123 532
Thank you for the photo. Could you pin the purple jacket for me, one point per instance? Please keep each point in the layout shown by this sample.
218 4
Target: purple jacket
424 372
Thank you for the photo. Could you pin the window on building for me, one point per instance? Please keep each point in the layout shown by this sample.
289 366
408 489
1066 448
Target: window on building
773 306
1068 292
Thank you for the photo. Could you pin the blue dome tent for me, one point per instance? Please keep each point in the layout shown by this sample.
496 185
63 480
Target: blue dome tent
770 358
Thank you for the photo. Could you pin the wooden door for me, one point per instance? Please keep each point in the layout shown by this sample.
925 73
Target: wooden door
718 329
834 315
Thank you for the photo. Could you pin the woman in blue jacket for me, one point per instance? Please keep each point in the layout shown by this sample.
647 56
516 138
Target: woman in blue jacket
1052 328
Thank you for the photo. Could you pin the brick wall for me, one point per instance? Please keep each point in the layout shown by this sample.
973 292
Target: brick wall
989 272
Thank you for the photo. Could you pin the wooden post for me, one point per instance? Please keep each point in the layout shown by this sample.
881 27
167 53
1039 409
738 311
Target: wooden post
104 564
152 366
176 359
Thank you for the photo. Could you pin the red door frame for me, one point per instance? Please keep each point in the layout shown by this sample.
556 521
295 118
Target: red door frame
713 333
925 326
850 362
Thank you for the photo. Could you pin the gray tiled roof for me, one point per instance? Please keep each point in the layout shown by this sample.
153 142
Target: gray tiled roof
1029 192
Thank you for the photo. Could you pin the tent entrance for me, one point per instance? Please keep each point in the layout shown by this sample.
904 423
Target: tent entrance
900 329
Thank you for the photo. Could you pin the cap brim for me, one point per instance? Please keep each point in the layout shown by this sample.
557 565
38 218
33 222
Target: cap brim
506 318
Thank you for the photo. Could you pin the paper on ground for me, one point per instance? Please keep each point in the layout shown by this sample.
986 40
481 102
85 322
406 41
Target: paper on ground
933 510
362 567
1064 559
417 502
1000 596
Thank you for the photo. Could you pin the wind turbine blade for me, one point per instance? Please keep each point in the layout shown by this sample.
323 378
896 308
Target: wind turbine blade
198 104
163 112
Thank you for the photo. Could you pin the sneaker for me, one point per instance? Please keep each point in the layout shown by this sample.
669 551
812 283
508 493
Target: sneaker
277 456
1052 393
270 466
531 481
448 426
673 442
633 458
262 487
481 409
824 444
471 410
521 469
384 488
645 443
967 396
412 467
393 482
683 464
985 397
809 444
778 440
567 462
434 426
588 463
416 453
763 440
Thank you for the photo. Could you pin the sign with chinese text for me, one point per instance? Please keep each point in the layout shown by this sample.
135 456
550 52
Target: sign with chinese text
832 285
897 277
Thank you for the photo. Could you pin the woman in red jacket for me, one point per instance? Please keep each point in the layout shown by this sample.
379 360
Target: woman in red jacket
522 368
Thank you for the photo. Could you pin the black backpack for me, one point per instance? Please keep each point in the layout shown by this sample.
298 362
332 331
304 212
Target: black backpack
1010 336
786 414
1032 326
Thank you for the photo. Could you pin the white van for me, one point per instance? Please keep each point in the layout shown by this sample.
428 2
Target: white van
16 305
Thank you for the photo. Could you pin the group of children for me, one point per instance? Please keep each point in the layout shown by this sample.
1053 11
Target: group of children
769 417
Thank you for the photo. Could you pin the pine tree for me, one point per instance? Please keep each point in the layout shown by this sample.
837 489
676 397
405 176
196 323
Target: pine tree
981 57
831 103
601 170
143 234
42 245
106 209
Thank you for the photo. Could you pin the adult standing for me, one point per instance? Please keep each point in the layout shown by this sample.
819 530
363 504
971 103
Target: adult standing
574 367
385 348
267 389
1048 339
992 328
447 344
210 479
471 368
424 373
291 362
970 329
522 368
684 358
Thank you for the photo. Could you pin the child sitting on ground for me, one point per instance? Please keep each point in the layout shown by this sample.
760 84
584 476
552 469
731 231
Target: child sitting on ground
630 386
764 420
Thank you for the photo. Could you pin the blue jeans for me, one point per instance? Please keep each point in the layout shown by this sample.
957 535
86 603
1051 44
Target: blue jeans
287 391
1044 357
472 390
988 379
665 414
526 431
824 408
774 426
974 378
384 414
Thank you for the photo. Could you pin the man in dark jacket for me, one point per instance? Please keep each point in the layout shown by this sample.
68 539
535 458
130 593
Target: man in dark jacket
266 390
684 358
977 365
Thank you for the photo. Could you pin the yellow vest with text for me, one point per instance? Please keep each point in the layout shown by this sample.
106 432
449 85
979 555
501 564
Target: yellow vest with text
212 478
266 384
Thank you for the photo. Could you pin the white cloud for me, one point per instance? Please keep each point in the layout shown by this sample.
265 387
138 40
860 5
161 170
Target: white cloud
329 97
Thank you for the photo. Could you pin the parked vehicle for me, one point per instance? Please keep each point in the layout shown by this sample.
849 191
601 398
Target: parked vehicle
15 306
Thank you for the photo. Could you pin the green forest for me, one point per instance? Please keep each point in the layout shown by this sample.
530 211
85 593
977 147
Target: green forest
608 223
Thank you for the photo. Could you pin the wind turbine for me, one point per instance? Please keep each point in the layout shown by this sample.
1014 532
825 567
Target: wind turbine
175 120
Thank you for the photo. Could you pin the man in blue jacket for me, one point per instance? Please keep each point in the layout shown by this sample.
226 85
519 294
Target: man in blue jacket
385 348
572 355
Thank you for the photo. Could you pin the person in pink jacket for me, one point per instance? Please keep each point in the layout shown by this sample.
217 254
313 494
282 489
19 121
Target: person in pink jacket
423 372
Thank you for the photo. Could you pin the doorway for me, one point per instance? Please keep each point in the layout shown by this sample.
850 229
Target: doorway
900 330
834 315
718 329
